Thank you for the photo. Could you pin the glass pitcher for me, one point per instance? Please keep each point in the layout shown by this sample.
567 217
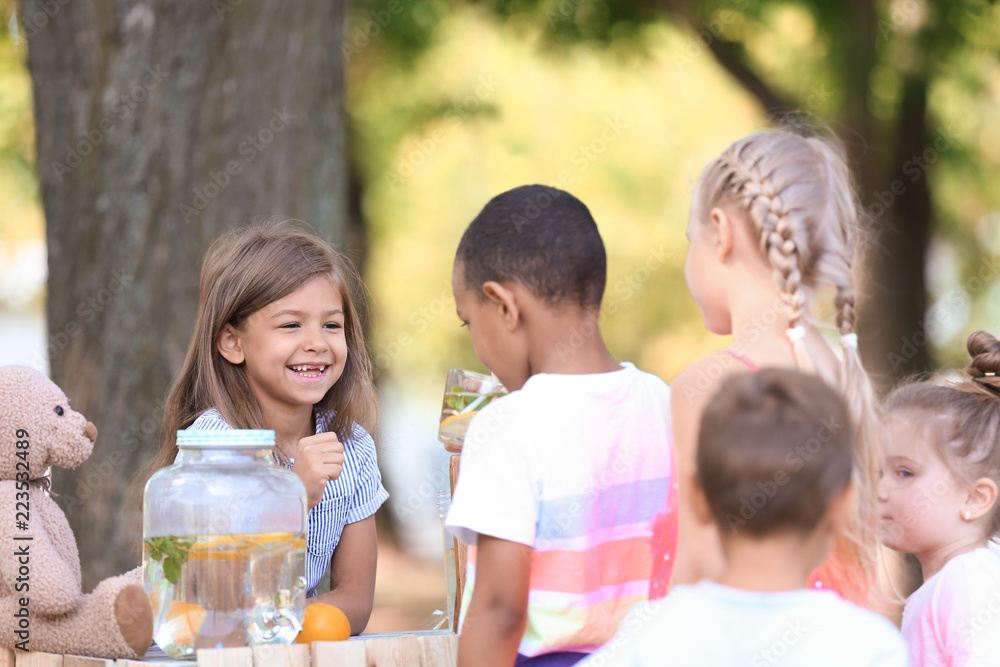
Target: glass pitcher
224 538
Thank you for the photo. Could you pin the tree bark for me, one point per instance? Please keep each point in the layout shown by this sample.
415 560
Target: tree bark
159 124
902 220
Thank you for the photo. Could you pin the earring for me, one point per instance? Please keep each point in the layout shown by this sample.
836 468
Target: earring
968 515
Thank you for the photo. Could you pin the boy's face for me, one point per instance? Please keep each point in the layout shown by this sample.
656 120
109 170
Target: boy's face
488 329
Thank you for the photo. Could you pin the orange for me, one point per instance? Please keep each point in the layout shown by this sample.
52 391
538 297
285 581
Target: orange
183 620
324 623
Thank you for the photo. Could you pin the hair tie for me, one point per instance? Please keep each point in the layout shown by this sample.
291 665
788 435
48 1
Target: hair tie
849 341
796 333
980 380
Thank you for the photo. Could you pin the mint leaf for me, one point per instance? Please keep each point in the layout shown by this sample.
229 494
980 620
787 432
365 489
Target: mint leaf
171 570
173 551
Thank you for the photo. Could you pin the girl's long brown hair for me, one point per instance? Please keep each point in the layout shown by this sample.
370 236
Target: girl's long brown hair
245 270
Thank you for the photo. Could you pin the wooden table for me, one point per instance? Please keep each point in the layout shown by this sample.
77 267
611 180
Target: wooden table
418 649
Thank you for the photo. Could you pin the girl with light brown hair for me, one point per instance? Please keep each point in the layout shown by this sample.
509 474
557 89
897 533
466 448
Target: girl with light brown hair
938 501
278 345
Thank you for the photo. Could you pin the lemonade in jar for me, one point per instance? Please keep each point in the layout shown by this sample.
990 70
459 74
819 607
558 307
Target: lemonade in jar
224 537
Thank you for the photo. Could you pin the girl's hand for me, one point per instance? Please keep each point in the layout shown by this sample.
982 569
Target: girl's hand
319 459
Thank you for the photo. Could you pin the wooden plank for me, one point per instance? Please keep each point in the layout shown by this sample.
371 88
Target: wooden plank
7 657
461 550
281 655
38 659
402 651
83 661
439 651
240 656
339 654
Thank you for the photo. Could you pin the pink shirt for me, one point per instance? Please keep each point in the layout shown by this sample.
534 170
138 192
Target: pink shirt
954 618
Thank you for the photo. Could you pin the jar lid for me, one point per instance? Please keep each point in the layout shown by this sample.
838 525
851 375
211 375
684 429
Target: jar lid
225 439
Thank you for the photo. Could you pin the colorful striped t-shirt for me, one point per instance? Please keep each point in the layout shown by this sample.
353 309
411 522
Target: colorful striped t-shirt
574 466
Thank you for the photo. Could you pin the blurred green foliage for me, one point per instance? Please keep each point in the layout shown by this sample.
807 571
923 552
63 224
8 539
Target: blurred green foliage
621 103
22 219
566 66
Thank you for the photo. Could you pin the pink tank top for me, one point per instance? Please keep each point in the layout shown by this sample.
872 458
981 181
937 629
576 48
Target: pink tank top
831 575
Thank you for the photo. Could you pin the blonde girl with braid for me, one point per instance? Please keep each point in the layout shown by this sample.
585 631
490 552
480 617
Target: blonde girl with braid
773 235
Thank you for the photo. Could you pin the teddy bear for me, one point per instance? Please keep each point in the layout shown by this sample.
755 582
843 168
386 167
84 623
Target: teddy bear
39 562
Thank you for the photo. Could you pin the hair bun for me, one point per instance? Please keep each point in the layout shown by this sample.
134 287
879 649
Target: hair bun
984 367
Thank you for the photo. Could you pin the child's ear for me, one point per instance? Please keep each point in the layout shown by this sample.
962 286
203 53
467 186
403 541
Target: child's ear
981 499
504 299
230 346
722 225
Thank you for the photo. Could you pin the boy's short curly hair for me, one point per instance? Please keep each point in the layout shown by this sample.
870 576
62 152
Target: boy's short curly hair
541 237
775 447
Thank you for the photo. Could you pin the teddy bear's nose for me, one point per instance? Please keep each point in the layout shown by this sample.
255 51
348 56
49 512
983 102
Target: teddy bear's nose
90 431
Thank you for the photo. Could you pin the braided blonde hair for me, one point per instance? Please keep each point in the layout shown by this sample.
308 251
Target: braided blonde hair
798 195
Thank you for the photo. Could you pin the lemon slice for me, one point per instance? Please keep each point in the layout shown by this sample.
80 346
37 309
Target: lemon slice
451 419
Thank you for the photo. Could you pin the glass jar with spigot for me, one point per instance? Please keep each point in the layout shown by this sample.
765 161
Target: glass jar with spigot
224 538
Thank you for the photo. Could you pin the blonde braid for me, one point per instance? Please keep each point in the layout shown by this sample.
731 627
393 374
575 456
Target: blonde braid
778 230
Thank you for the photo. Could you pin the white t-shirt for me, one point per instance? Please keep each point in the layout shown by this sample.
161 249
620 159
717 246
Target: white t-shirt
713 625
954 618
575 467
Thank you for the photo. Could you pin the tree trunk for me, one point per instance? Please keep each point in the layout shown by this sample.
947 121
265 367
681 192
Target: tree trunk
159 124
901 217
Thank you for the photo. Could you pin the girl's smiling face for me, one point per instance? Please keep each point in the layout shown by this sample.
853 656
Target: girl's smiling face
294 348
920 499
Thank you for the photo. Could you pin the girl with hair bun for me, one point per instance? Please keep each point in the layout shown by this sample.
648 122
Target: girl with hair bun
938 501
773 232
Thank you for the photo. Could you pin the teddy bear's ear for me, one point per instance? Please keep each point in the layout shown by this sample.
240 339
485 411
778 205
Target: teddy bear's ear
32 405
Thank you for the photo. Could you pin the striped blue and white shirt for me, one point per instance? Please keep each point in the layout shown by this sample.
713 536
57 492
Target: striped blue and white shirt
353 496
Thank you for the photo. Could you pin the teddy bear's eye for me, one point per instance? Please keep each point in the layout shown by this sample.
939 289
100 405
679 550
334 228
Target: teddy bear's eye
59 410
